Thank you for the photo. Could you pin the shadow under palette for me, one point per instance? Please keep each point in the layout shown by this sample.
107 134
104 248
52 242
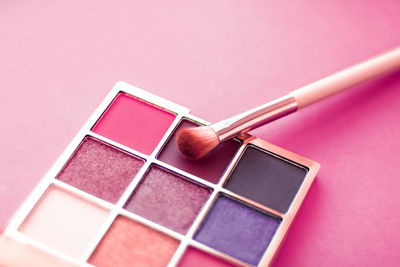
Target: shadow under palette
121 194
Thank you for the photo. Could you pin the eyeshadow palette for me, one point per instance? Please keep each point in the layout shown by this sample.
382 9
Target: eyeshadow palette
121 194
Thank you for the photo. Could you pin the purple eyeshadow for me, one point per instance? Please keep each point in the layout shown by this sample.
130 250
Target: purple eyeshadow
238 230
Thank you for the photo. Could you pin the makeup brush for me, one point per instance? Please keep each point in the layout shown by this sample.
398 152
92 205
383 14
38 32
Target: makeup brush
195 143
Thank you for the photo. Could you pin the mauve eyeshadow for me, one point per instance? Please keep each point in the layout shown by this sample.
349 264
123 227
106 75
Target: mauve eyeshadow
266 179
237 230
210 167
100 169
168 199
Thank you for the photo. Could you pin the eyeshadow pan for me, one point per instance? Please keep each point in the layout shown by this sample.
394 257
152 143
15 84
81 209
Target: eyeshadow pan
168 199
209 168
64 221
100 169
237 230
194 257
129 243
266 179
134 123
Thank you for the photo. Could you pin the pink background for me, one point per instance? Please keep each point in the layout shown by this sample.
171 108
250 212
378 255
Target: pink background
58 60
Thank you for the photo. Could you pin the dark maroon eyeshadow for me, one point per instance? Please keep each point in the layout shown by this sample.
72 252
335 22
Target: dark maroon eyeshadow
210 168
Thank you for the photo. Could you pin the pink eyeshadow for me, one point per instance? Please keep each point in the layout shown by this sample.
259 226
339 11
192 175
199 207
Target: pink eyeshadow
210 168
168 199
134 123
130 243
100 169
194 257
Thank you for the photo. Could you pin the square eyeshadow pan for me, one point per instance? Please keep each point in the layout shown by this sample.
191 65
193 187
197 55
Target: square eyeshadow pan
119 123
130 243
266 178
100 169
64 221
168 199
237 230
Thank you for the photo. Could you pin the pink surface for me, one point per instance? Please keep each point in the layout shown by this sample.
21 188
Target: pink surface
119 123
64 221
218 58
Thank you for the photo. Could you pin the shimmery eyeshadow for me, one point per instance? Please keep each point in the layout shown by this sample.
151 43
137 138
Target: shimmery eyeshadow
129 243
64 221
237 230
100 169
209 168
194 257
168 199
266 179
134 123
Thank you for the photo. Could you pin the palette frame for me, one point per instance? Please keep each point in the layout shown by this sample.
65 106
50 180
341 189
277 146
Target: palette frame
117 209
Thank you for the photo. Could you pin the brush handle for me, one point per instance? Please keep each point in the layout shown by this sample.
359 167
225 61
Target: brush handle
347 78
253 118
307 95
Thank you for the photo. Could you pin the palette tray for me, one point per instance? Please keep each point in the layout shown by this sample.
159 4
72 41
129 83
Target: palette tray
121 194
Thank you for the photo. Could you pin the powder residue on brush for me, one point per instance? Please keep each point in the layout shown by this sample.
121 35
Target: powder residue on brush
100 169
168 199
129 243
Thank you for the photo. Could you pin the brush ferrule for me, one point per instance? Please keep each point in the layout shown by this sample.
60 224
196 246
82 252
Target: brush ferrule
254 118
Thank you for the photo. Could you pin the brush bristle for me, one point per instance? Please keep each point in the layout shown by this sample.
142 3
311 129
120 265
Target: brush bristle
195 143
